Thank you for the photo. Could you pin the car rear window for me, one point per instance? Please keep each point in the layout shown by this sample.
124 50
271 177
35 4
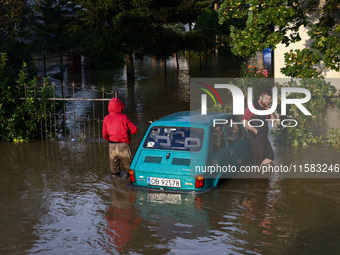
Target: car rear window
175 138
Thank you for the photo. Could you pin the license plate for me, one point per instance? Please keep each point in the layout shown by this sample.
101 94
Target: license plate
164 198
165 182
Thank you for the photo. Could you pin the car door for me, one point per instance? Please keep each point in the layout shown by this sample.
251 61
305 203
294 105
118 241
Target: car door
219 154
237 142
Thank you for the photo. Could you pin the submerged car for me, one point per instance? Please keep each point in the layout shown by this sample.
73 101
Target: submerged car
187 151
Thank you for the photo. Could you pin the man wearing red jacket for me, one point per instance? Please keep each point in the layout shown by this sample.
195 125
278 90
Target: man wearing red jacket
117 130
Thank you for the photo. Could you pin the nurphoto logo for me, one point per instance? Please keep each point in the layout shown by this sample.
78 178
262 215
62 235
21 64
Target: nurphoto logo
238 105
238 100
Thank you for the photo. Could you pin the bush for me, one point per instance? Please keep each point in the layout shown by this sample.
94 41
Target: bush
333 137
23 103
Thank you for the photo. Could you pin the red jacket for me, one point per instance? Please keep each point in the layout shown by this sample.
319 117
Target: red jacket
117 127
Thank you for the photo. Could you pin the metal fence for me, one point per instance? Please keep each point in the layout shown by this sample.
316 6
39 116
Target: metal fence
75 112
51 65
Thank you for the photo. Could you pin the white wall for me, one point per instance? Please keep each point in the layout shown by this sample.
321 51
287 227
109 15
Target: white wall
334 77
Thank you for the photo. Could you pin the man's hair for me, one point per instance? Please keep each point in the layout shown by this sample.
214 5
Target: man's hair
266 92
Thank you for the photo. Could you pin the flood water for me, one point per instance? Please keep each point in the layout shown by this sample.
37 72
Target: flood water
57 196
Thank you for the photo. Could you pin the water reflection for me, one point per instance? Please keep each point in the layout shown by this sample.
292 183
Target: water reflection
57 196
236 219
122 221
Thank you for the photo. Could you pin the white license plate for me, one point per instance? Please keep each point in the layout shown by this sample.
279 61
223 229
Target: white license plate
164 198
165 182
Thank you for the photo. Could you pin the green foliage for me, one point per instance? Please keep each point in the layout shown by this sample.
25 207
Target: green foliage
333 137
216 35
336 102
208 24
196 41
20 119
16 26
140 27
269 23
255 78
272 22
300 63
325 47
100 29
54 25
171 35
302 134
219 108
15 19
261 18
82 137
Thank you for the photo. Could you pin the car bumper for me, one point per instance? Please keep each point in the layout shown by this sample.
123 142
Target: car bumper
170 190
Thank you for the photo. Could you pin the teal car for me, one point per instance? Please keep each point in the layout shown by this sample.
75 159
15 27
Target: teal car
189 152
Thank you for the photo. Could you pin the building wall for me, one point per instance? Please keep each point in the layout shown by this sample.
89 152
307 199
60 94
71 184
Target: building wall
331 75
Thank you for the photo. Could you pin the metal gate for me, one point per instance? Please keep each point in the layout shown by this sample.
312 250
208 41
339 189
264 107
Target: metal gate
77 112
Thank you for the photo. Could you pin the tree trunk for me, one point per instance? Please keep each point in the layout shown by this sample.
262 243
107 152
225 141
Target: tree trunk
189 63
130 69
190 28
259 60
200 60
165 67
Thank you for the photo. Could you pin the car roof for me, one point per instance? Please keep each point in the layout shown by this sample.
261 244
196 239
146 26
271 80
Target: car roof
190 119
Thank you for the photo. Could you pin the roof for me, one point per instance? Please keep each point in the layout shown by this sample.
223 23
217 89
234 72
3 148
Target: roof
189 118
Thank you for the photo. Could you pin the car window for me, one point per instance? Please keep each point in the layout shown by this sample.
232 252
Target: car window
218 138
175 138
233 132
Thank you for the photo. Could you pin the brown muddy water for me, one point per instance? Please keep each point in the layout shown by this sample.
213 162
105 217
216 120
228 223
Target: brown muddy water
57 196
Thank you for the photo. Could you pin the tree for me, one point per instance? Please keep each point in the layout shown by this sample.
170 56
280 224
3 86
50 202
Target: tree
53 24
166 40
325 48
16 18
134 33
217 36
272 22
207 24
138 27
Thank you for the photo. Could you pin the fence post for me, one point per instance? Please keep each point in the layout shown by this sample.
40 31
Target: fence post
44 65
99 128
103 96
89 120
45 113
64 102
74 109
84 117
60 133
54 111
41 132
94 114
50 116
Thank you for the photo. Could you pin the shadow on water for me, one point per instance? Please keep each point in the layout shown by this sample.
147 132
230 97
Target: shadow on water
57 196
